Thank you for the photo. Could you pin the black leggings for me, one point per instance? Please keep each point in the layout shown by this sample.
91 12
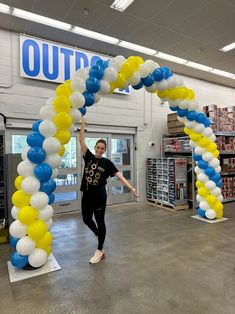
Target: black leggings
95 202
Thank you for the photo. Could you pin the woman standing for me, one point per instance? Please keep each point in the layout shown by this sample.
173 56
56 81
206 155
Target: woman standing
96 172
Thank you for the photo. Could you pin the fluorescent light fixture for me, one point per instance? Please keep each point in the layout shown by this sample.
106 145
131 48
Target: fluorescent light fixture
40 19
121 5
228 47
135 47
4 8
198 66
171 58
222 73
95 35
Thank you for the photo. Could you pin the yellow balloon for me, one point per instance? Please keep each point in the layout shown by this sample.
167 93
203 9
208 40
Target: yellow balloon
204 142
18 182
199 184
121 80
37 230
63 136
211 199
183 92
62 150
63 120
127 70
134 62
69 91
195 137
20 199
45 241
61 103
218 206
191 94
203 192
48 250
173 94
216 153
162 94
61 90
212 147
140 60
219 214
27 215
188 131
112 87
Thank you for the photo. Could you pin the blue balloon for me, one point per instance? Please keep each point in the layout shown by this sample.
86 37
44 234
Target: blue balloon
202 164
35 126
201 212
139 85
192 115
182 112
13 242
51 198
148 80
19 261
166 72
35 139
176 108
216 178
200 118
97 72
219 184
89 99
48 186
92 85
43 172
207 123
83 110
209 171
102 63
36 155
197 157
158 74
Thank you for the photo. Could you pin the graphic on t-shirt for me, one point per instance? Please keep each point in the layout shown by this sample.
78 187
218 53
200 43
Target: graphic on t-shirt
93 173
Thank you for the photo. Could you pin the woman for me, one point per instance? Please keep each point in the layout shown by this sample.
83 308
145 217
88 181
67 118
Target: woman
96 172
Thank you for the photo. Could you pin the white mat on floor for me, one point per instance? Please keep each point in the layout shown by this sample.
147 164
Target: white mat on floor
16 274
208 220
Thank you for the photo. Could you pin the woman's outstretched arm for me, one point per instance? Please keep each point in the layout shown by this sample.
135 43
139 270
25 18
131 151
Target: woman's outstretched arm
126 183
82 137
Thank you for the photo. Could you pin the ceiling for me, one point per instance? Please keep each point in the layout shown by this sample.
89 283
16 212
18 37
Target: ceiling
193 30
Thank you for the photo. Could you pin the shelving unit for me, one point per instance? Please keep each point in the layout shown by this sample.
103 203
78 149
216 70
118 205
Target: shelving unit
2 186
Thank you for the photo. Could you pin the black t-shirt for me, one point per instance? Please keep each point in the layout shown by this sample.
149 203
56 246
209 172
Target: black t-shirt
96 172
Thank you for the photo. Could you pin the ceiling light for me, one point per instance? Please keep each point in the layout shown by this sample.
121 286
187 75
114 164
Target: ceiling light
4 8
40 19
135 47
121 5
171 58
95 35
198 66
222 73
228 47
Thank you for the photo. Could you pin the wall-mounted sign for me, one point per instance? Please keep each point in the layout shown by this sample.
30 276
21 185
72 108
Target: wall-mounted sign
48 61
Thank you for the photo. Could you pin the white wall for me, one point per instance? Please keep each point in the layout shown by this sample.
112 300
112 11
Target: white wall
23 98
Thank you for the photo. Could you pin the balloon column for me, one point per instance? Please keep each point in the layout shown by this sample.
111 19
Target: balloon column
32 210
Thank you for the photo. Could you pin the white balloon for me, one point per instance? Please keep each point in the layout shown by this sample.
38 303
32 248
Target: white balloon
97 98
152 88
114 64
190 124
30 185
207 156
135 79
216 191
182 119
204 205
210 185
207 131
199 128
54 160
173 103
75 115
51 145
81 73
39 200
46 213
77 100
47 128
25 245
25 168
38 257
180 82
144 69
212 137
17 229
104 87
192 143
210 214
50 101
193 105
14 212
198 170
218 169
152 65
214 162
78 84
203 177
25 152
220 198
49 223
199 198
172 82
54 173
71 129
110 74
120 59
47 113
163 85
184 104
199 150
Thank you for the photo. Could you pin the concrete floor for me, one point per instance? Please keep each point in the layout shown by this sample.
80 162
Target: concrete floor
157 262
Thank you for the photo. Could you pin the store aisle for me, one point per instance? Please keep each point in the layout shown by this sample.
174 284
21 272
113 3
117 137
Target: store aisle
157 262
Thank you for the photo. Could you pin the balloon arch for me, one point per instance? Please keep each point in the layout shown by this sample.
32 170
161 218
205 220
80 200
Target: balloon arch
29 233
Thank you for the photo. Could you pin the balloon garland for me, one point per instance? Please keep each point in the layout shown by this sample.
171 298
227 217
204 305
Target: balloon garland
32 210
